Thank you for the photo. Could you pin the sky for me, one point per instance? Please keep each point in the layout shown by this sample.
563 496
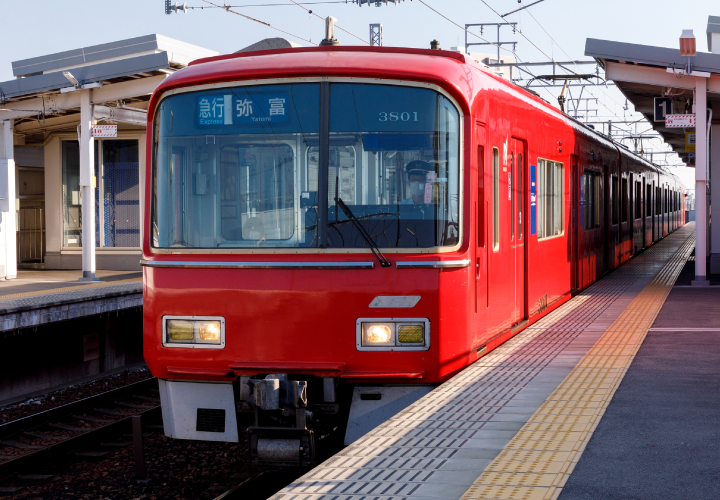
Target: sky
554 29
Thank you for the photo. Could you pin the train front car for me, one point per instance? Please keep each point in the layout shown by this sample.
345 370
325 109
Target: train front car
305 244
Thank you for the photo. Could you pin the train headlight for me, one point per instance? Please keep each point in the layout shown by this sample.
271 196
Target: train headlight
393 334
378 334
209 332
193 332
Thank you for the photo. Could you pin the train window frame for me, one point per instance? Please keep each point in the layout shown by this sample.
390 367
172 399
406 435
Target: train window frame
592 187
496 198
614 200
624 200
557 196
462 215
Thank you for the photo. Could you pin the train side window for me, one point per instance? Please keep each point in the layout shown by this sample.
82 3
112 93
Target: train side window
496 199
624 197
550 198
592 200
638 199
614 198
511 179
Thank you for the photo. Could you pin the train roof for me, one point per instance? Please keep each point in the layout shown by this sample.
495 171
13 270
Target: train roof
441 67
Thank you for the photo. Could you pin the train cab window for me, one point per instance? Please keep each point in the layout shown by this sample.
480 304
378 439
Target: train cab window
496 198
614 199
624 198
638 200
550 198
591 189
269 166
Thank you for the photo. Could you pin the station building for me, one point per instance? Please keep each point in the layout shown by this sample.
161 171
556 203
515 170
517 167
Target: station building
44 112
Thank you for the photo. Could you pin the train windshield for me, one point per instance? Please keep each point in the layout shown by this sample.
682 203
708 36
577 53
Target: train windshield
266 166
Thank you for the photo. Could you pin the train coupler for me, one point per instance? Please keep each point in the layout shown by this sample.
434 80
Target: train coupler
281 447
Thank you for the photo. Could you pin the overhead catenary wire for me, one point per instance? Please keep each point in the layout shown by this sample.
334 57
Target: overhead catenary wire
476 36
227 9
320 17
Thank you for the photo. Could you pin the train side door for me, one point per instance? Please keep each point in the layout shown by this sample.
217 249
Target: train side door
574 214
518 193
606 218
481 271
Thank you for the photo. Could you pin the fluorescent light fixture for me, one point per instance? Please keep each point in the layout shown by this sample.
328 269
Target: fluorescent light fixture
71 78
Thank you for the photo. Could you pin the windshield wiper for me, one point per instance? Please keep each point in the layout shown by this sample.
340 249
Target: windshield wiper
373 246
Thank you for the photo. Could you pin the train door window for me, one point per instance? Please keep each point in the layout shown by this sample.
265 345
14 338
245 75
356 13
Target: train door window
638 199
658 206
614 198
511 176
496 199
481 196
665 200
648 200
520 203
551 190
624 198
592 200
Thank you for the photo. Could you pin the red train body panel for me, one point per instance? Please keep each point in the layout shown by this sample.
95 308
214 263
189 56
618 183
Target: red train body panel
515 261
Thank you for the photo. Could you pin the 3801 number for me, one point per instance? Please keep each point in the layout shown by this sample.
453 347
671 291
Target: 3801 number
396 116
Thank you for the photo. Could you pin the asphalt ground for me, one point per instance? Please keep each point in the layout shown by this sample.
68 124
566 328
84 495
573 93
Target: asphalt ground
660 435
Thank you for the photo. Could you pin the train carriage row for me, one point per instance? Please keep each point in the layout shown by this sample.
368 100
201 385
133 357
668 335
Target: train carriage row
339 222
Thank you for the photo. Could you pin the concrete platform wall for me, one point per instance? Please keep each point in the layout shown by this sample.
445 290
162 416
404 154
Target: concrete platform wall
64 352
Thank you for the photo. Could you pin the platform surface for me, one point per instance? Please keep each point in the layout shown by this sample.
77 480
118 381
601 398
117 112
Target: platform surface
41 297
514 424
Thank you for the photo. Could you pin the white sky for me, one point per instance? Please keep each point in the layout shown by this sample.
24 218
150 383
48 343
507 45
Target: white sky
42 27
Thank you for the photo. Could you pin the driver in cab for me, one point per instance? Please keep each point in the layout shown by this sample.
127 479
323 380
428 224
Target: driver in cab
417 171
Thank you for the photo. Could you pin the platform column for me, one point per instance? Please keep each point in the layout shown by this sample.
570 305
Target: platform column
8 213
87 185
701 220
715 193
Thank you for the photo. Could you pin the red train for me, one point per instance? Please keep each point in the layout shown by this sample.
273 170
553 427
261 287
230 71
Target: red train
333 230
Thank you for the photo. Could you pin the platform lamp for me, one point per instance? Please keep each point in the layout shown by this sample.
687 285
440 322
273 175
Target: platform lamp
688 48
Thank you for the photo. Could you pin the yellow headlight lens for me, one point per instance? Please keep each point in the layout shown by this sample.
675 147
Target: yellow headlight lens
411 334
378 334
210 331
179 331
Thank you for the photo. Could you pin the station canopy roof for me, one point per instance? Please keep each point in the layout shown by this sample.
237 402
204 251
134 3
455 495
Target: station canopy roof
641 73
125 70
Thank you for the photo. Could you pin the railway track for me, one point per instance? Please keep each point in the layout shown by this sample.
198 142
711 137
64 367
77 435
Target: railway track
261 485
37 438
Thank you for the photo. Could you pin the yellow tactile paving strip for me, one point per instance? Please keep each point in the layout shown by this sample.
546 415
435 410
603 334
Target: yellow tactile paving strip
67 289
538 461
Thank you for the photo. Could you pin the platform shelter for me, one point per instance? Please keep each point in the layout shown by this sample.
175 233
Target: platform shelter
70 199
660 81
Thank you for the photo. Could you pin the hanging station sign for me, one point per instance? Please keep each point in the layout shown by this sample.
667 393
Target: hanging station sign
680 121
663 107
104 131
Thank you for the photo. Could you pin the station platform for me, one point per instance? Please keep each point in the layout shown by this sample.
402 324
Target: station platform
39 297
612 395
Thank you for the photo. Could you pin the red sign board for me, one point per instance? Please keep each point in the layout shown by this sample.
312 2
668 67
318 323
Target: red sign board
104 131
680 121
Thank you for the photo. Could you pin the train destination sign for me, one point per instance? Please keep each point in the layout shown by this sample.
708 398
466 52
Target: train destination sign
680 121
249 108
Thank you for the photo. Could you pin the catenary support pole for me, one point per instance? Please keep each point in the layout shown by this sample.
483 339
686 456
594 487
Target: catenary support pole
87 186
715 193
701 220
8 223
